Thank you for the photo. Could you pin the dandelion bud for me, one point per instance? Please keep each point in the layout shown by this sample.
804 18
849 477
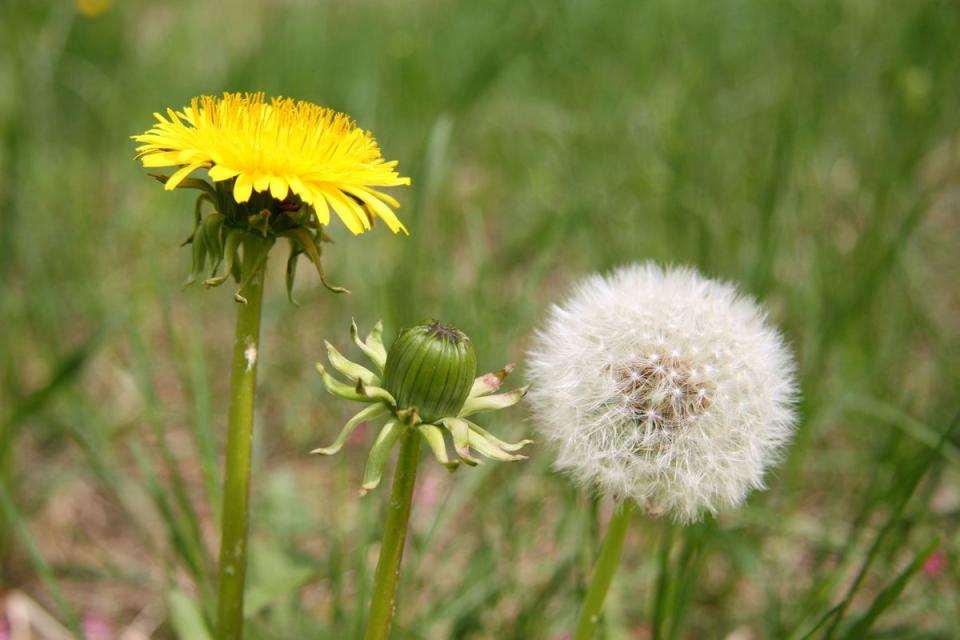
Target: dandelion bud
426 382
431 367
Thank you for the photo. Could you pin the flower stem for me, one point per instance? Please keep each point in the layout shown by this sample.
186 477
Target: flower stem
603 572
394 535
236 485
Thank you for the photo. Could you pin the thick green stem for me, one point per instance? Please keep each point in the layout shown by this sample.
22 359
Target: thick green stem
236 485
384 598
604 571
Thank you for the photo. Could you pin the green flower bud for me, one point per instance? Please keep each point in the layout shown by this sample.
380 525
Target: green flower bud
431 367
425 382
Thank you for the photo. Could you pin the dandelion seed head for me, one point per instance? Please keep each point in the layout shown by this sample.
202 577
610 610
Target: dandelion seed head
663 386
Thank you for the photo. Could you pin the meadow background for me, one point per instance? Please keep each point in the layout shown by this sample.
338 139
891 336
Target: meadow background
806 150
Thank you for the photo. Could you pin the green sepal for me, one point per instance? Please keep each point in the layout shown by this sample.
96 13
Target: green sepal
460 430
410 417
368 413
382 395
199 251
207 240
379 454
291 272
310 247
260 221
349 368
255 250
212 228
372 347
187 183
230 249
438 445
501 444
341 389
489 382
484 446
492 403
198 208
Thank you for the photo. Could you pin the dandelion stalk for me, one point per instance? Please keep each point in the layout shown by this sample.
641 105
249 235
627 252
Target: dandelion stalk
236 485
604 571
384 597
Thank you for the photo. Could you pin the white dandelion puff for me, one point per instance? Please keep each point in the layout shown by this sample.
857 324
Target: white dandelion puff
663 386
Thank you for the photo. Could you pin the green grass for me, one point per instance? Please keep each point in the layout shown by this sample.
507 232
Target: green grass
808 151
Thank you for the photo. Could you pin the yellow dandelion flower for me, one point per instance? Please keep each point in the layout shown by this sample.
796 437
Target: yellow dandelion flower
93 8
285 147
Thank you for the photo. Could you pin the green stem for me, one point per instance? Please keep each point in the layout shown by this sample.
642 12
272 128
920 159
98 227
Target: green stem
603 573
236 485
384 598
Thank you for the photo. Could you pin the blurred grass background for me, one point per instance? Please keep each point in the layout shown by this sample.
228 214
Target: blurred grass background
807 150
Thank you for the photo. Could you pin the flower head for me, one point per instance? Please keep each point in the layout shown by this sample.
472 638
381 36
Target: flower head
288 148
275 170
425 382
93 8
663 386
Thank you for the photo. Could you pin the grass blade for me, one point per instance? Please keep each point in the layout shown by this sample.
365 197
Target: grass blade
910 483
16 522
890 593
